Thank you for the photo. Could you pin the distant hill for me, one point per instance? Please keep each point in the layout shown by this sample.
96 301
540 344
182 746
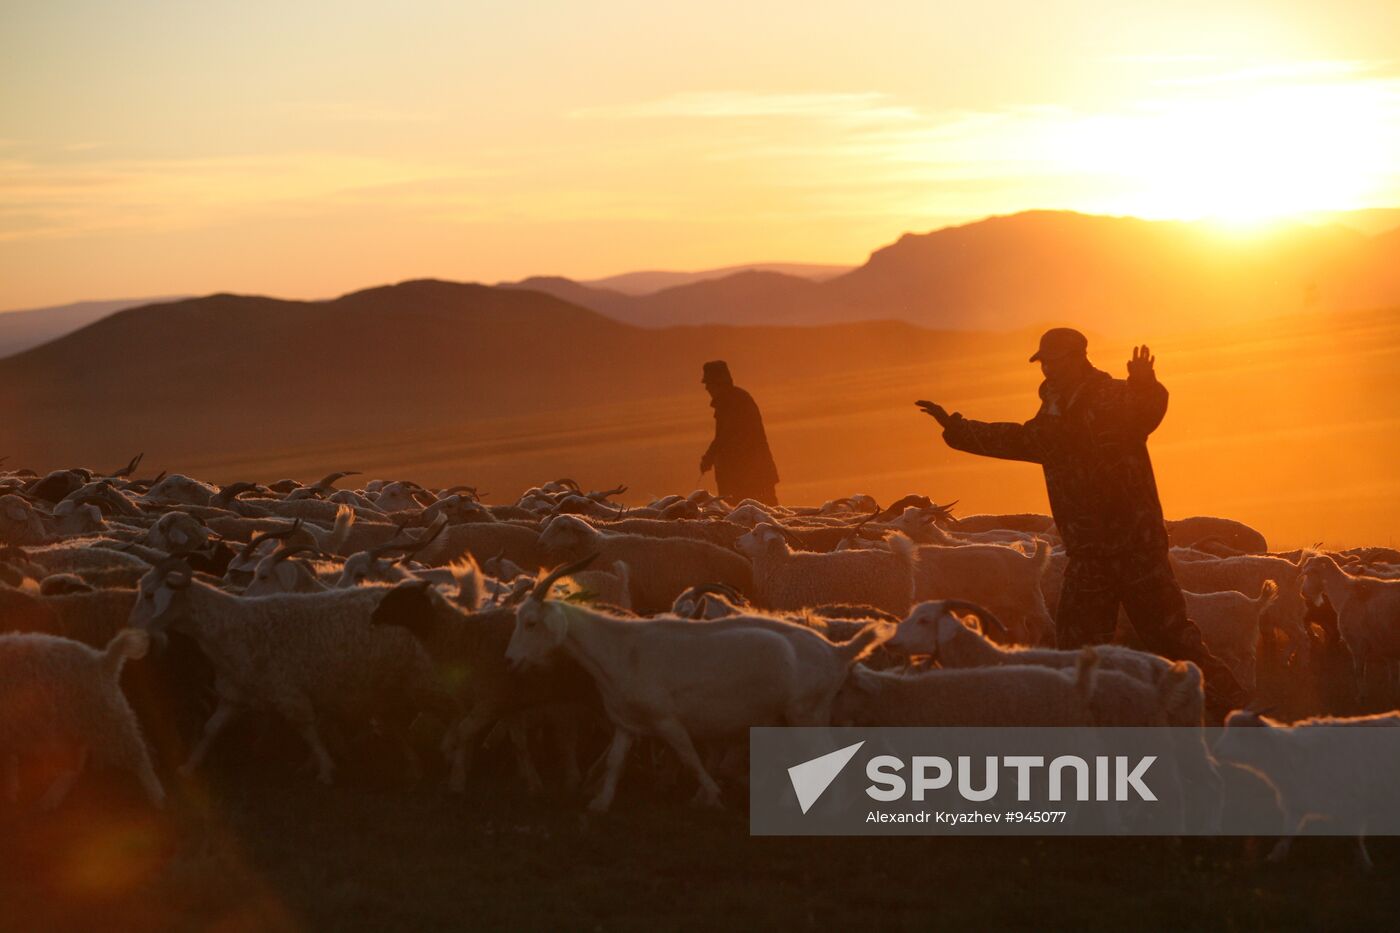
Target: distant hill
20 330
1114 275
209 378
645 283
1110 274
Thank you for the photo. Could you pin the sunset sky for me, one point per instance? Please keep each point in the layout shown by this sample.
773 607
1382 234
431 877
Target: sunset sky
305 149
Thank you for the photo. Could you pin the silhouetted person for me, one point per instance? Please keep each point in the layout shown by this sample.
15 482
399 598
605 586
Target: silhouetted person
739 453
1090 436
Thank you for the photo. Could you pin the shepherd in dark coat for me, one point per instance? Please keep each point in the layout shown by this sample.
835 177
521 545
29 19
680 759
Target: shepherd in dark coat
739 453
1090 437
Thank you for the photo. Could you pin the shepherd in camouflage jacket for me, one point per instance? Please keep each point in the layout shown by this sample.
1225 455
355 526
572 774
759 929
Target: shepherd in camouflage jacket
1090 438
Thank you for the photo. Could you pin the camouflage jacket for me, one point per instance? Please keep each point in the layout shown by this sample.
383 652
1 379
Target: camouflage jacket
739 452
1093 448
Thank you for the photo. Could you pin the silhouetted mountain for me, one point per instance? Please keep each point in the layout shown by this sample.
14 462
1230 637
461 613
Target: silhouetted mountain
20 330
1105 273
646 283
209 377
1112 274
614 304
1116 275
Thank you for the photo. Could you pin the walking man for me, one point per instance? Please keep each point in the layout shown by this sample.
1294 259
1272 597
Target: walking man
739 454
1090 437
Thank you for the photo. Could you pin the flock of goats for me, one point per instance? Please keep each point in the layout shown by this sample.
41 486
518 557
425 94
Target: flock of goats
681 623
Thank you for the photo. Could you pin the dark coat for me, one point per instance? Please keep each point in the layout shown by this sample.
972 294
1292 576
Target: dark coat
743 463
1093 448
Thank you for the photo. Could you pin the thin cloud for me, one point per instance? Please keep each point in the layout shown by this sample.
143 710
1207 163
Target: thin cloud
844 107
1274 71
166 194
1157 58
342 111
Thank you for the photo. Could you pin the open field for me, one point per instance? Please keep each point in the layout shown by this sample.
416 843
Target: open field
1291 428
272 851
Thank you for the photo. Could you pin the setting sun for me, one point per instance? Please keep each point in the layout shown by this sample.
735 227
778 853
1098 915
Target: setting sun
1245 156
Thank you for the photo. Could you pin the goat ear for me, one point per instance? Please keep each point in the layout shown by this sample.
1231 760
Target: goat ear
969 620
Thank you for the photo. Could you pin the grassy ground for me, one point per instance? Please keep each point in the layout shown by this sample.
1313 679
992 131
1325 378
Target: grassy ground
1289 429
270 850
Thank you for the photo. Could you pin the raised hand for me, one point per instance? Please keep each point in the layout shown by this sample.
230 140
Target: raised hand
935 411
1140 366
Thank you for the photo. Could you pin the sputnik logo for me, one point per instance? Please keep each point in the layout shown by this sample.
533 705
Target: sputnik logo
811 778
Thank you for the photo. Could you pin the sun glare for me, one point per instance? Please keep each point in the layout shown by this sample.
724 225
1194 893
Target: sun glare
1241 158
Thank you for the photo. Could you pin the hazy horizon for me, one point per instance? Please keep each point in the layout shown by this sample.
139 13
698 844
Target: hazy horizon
1370 222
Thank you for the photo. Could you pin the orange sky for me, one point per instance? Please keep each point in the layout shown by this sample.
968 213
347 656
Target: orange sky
310 148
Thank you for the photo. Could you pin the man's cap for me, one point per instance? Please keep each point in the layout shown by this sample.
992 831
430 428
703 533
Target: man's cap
717 371
1060 341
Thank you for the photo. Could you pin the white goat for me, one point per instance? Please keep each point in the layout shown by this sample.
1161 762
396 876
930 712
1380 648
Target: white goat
949 631
56 691
661 568
1229 624
1368 613
299 654
19 522
1316 770
788 579
1027 695
678 680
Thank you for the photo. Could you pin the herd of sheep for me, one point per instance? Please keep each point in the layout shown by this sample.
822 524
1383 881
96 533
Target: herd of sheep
152 614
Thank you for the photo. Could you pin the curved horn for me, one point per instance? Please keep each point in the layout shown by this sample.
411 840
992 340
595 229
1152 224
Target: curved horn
541 589
413 547
719 589
571 484
866 520
330 479
130 467
456 490
897 508
262 536
284 552
981 612
228 493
